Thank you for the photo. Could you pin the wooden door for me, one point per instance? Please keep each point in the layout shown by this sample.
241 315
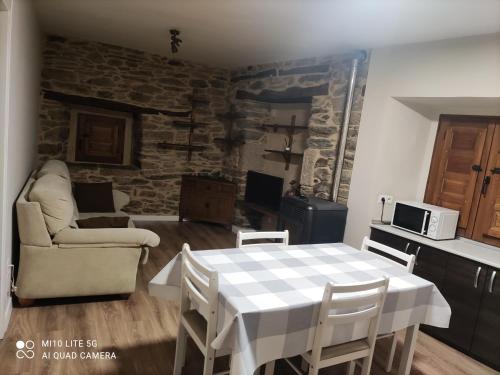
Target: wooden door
100 139
487 225
456 166
486 341
462 288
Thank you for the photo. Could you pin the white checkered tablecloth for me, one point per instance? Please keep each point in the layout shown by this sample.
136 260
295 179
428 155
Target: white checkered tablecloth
269 297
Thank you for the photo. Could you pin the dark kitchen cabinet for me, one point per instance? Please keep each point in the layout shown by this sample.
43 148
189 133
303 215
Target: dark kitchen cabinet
472 291
486 340
462 288
430 263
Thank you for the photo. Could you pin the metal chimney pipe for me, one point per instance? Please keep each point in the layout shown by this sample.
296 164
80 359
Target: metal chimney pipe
345 125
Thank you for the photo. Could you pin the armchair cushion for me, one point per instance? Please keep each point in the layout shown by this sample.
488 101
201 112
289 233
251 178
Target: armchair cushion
53 193
123 236
56 167
94 197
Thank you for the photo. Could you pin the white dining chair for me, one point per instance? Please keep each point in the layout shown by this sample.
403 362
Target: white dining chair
200 288
282 236
409 260
347 304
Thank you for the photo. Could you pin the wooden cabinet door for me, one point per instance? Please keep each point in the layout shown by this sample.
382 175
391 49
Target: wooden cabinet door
430 264
391 240
463 290
486 341
487 225
100 139
456 165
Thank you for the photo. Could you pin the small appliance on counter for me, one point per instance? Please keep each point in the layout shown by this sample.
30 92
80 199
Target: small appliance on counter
437 223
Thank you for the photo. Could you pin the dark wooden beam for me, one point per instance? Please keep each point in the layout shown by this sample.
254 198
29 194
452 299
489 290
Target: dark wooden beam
109 104
262 74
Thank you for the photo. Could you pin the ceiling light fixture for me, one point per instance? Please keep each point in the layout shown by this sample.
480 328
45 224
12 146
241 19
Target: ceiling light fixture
175 42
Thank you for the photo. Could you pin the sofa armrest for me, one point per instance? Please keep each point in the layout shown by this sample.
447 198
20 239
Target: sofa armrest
125 236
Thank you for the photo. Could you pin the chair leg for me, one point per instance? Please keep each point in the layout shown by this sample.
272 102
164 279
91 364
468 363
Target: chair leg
392 351
312 370
269 370
366 365
350 367
180 350
303 364
208 364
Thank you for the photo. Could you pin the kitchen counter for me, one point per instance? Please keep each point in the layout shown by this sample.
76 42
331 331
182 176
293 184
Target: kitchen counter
477 251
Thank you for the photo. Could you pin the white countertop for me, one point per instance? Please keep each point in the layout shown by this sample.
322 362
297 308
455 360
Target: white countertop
463 247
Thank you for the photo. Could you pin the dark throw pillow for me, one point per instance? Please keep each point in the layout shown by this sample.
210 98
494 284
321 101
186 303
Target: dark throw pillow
103 222
96 197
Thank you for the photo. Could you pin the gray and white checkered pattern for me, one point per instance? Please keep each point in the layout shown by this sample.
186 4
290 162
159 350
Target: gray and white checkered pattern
269 297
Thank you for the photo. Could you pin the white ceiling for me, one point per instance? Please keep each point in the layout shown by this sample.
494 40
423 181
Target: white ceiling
243 32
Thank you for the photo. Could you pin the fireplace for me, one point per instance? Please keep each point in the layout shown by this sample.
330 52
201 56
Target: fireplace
312 220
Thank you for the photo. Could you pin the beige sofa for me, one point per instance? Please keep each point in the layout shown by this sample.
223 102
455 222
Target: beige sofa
59 260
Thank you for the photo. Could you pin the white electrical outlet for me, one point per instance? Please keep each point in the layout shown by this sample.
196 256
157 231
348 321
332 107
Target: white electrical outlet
389 199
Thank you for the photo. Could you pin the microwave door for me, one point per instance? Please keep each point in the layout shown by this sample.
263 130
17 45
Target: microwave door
411 218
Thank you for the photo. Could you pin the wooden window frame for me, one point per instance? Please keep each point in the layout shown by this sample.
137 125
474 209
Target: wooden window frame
73 131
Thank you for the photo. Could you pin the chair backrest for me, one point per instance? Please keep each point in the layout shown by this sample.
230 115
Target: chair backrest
409 259
246 236
199 288
350 304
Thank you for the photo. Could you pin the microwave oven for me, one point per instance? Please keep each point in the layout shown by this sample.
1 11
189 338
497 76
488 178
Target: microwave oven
437 223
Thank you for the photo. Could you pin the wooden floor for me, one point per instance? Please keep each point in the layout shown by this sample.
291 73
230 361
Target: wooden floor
141 331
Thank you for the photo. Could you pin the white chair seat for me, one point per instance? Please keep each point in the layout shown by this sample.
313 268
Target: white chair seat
334 354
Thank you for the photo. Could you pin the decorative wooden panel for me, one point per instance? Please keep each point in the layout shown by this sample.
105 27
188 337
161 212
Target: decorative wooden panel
100 139
487 226
456 165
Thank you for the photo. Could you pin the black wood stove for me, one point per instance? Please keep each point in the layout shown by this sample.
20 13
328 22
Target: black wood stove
312 220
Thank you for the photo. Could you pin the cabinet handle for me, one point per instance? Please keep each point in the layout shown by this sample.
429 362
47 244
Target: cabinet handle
407 246
492 280
478 271
416 255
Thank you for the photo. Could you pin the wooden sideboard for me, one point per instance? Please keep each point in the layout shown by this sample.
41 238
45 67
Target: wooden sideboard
207 199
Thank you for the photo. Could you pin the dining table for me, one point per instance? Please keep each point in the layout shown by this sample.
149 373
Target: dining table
270 295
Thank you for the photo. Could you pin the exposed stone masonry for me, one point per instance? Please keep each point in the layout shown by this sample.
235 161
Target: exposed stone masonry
323 79
139 78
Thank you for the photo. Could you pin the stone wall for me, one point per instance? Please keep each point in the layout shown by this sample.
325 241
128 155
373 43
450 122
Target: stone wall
138 78
324 81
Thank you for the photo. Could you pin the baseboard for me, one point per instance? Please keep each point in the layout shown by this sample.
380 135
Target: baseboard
154 217
5 319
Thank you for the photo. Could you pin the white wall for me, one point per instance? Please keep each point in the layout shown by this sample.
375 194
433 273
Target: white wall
20 66
408 86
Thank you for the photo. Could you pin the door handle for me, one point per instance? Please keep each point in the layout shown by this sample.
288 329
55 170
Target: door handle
477 168
416 255
495 171
492 281
478 272
486 182
407 246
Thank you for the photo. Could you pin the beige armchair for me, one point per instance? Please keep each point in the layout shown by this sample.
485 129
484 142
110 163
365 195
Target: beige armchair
59 260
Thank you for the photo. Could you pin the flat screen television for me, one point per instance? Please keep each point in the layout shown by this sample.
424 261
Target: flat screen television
264 190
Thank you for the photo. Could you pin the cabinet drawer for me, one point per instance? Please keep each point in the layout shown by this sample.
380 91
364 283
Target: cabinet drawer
391 240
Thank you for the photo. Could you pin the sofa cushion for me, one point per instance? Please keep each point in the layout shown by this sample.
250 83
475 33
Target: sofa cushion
53 193
103 222
94 197
56 167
